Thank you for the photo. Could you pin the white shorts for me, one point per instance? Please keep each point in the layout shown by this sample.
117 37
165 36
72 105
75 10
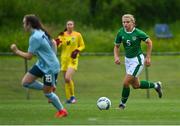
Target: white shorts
135 65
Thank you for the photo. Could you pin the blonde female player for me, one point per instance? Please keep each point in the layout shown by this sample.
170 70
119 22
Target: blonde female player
47 66
131 38
71 43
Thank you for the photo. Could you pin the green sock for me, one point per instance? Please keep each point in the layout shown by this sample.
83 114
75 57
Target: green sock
125 94
146 85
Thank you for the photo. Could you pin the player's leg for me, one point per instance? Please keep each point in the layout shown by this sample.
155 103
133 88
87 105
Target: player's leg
133 69
136 84
126 82
49 80
67 87
70 85
29 79
53 88
147 85
54 85
64 66
137 68
141 84
126 90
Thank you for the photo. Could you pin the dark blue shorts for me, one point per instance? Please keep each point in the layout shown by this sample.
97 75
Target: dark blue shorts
49 79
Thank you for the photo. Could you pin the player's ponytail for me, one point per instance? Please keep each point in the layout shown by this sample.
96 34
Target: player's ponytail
62 33
35 23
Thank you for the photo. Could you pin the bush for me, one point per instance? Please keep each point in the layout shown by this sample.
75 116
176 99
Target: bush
98 23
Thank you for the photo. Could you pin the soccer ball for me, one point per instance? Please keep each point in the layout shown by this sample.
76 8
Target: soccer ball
103 103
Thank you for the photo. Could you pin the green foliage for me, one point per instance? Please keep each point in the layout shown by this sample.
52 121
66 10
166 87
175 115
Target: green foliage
98 27
108 13
104 14
9 36
51 11
96 40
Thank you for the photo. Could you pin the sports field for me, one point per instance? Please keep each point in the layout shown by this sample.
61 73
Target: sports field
97 76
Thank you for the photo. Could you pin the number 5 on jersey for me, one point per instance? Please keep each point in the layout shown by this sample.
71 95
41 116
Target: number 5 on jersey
128 42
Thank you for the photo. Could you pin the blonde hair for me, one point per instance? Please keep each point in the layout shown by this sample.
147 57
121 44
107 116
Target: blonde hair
130 16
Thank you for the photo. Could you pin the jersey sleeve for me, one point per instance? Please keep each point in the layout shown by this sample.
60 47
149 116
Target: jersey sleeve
81 43
143 36
60 38
33 45
118 39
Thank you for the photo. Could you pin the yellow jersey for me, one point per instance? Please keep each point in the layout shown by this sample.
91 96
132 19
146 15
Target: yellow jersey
70 42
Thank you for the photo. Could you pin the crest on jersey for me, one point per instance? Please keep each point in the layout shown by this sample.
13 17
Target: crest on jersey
73 39
134 38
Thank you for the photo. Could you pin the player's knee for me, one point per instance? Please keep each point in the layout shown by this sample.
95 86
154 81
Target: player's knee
67 79
126 85
26 85
47 89
135 86
23 83
48 95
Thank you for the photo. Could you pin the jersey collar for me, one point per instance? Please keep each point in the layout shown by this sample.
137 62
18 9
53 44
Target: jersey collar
130 31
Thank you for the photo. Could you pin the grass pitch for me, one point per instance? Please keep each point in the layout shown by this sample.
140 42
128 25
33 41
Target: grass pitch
96 77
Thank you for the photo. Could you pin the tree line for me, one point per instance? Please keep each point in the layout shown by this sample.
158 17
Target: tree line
97 13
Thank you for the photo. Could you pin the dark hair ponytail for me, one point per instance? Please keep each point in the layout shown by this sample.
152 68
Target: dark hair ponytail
62 33
35 23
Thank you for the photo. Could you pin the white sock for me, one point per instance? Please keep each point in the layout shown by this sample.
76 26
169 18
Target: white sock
155 85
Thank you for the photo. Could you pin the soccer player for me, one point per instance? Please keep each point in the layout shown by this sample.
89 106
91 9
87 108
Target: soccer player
47 66
131 38
71 43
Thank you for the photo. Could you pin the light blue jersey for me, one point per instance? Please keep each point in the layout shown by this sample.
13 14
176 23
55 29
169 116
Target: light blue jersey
42 47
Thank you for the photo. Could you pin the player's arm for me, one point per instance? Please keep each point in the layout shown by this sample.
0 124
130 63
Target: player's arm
148 52
117 43
116 54
58 41
81 46
26 55
81 43
54 45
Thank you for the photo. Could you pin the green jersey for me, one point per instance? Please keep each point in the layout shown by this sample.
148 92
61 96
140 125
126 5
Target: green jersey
131 41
